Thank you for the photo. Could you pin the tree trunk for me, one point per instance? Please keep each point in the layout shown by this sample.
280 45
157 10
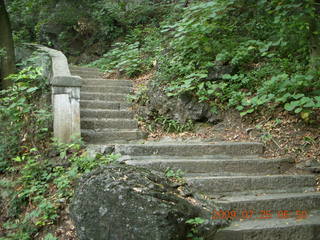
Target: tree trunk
7 61
315 38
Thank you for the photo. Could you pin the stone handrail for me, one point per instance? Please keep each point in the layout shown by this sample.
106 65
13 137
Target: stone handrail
65 90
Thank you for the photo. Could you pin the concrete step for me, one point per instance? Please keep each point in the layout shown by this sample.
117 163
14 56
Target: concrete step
253 184
272 229
99 124
271 202
211 165
104 97
106 82
191 149
88 69
113 89
87 74
96 104
102 113
111 135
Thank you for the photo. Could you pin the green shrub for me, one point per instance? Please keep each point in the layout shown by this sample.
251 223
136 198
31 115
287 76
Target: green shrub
43 186
267 51
24 113
134 56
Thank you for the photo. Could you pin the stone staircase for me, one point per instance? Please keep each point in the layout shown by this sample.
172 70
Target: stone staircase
105 117
236 177
262 197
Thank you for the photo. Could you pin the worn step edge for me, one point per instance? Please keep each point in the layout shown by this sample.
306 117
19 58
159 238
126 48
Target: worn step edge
103 104
105 113
272 202
89 73
104 96
275 228
102 137
114 89
75 68
111 130
193 149
215 166
107 123
109 80
105 83
253 184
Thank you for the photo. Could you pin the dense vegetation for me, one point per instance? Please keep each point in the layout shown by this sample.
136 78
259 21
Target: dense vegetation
246 55
36 172
240 54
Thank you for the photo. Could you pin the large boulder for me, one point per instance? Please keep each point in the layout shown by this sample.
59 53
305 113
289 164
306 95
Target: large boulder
124 202
181 108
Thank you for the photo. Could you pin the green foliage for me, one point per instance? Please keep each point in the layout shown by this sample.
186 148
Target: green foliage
270 47
134 56
39 175
44 186
168 125
265 44
65 23
267 54
194 232
174 174
2 52
50 237
24 114
171 125
125 58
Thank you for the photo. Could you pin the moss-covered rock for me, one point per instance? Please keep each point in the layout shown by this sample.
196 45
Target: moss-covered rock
126 202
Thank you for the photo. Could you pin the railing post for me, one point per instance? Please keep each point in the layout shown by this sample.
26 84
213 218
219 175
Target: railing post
65 98
66 108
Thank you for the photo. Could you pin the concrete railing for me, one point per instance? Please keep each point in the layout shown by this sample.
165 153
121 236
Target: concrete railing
65 90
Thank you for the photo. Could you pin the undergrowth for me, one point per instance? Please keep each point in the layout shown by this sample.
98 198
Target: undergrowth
247 55
24 114
39 187
37 174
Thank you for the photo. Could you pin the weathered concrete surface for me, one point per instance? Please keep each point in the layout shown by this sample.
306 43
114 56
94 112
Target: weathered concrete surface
85 73
272 202
125 202
250 184
271 229
214 165
106 113
104 96
99 124
191 149
115 89
106 82
233 175
96 104
111 135
65 97
60 65
66 81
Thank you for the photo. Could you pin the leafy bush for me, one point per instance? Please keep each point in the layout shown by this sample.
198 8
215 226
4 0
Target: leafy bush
194 232
24 114
266 52
69 26
38 174
42 186
134 56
